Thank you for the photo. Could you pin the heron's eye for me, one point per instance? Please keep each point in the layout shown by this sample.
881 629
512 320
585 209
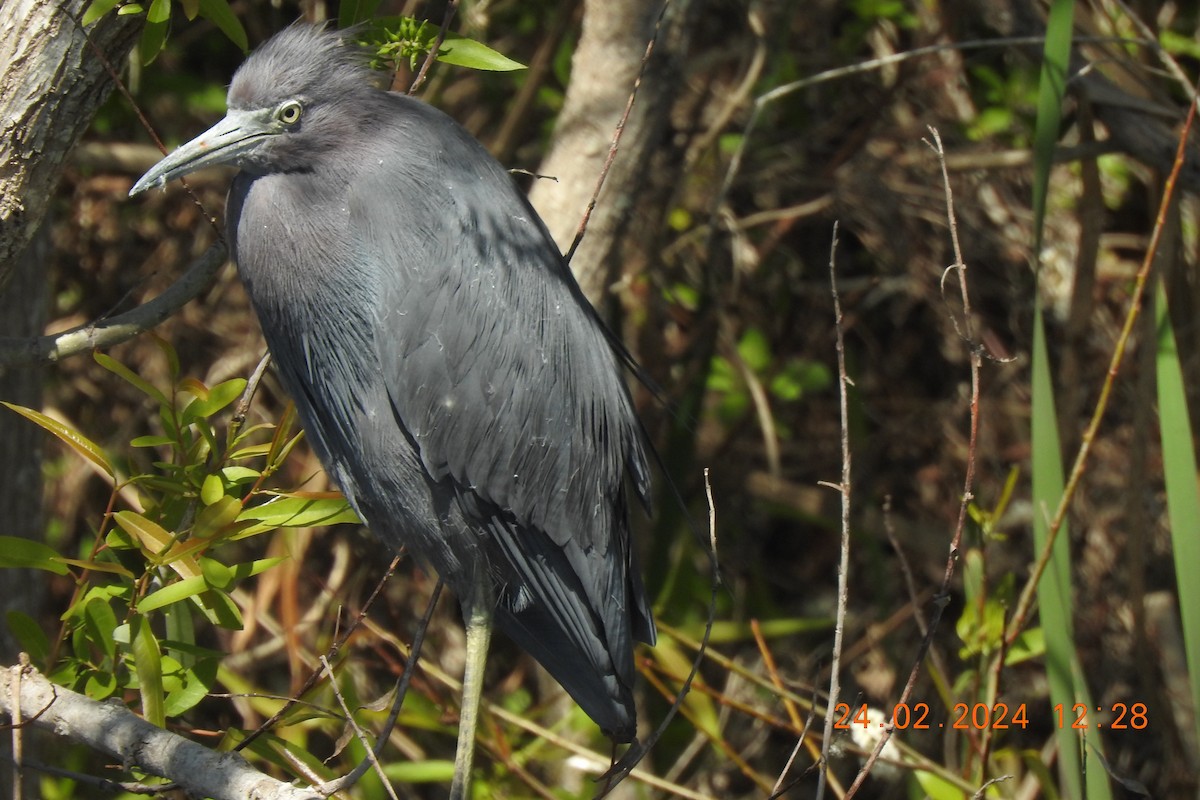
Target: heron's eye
289 113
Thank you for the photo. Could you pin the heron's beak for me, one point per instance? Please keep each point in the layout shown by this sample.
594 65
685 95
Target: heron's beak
223 143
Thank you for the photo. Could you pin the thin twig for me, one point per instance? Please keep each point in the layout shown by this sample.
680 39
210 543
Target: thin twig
780 92
617 132
431 56
844 488
371 757
976 365
18 736
780 787
402 683
331 653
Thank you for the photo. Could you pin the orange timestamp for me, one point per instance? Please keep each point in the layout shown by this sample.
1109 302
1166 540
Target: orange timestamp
993 716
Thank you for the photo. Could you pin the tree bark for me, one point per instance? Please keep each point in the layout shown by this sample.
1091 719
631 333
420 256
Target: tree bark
51 84
30 699
603 70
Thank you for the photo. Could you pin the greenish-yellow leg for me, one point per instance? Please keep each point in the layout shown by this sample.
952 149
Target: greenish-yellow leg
479 634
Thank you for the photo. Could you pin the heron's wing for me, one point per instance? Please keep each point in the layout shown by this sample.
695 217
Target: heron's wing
497 366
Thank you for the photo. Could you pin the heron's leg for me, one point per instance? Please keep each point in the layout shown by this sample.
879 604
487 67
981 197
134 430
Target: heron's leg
478 617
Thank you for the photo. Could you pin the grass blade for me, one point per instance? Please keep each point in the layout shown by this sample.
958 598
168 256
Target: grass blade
1183 502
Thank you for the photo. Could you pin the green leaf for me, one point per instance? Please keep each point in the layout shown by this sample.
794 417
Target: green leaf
172 593
935 787
425 771
72 438
137 381
212 490
216 517
217 398
154 36
148 661
130 9
190 8
221 609
1179 471
220 14
100 621
19 552
156 543
100 684
296 512
195 686
755 350
160 11
29 635
463 52
96 10
236 475
152 441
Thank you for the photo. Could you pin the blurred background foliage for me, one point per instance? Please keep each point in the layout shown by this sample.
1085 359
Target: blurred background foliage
725 300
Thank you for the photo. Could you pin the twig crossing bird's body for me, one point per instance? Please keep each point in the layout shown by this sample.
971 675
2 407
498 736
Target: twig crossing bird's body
448 371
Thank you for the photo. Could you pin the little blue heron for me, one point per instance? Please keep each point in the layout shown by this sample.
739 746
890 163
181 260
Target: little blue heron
452 378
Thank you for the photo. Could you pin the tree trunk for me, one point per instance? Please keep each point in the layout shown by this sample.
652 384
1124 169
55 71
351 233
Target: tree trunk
51 84
605 65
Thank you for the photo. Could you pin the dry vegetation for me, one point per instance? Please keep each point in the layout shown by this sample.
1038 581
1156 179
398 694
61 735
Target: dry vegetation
736 325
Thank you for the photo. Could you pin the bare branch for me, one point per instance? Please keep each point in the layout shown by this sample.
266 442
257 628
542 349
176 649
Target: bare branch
115 730
49 349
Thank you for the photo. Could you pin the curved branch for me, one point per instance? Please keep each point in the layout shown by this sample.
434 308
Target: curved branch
48 349
113 729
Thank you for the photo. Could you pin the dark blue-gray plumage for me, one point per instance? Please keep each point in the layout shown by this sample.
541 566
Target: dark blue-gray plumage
449 373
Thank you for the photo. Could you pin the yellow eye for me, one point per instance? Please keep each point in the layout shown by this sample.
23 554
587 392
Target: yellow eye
289 112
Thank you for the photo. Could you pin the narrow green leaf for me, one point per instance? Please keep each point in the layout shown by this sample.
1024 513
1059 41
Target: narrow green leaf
129 376
160 11
147 660
1064 672
100 621
157 544
180 635
1183 501
190 8
152 441
110 567
16 551
71 437
154 36
296 512
236 475
29 635
172 593
195 686
220 608
214 400
424 771
220 14
463 52
96 10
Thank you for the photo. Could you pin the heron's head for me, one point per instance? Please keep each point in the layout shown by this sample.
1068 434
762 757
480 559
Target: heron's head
296 98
